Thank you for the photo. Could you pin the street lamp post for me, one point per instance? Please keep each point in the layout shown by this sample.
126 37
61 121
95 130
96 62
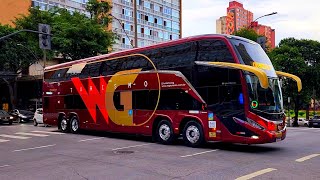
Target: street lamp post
270 14
122 29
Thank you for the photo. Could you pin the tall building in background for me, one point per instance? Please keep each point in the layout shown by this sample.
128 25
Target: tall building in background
157 20
221 25
9 9
266 31
238 17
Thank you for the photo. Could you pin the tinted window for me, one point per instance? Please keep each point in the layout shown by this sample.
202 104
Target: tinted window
57 75
113 66
90 70
73 102
214 50
173 56
174 99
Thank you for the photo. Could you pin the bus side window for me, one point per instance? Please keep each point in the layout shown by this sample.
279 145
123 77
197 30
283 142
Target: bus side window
214 50
90 70
73 102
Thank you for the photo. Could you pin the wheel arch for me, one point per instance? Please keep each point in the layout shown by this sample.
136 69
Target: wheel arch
157 120
186 119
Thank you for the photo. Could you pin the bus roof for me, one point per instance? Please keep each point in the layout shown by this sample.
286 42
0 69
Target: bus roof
137 50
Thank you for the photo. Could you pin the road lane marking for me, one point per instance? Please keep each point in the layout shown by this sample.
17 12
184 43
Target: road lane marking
307 157
131 146
198 153
47 132
14 137
32 134
4 166
255 174
39 147
3 140
83 140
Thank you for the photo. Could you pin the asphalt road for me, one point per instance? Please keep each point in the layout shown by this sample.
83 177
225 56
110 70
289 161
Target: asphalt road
28 152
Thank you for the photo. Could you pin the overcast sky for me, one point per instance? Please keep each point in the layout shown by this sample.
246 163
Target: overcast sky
299 19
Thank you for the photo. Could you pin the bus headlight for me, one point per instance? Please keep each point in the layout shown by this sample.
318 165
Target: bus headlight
254 124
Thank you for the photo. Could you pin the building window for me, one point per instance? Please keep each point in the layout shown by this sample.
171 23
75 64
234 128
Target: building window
156 7
147 4
167 10
156 20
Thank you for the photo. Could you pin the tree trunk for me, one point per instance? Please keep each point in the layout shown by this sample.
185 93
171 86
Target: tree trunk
296 112
10 92
307 112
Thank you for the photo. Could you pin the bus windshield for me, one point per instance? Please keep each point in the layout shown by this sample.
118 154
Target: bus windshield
250 53
265 100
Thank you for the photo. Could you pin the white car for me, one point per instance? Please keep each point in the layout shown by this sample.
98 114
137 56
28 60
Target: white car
301 122
38 117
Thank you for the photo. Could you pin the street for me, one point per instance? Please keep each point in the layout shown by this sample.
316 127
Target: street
29 152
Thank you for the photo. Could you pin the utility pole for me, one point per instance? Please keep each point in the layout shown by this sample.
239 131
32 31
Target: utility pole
135 22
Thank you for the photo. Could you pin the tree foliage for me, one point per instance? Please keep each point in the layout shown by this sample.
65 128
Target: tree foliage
247 33
302 58
14 55
74 36
99 11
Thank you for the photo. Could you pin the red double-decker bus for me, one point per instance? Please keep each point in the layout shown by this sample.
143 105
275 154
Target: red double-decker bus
203 88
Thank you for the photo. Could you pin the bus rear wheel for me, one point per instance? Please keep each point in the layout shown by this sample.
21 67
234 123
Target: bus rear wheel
64 126
164 132
193 134
74 125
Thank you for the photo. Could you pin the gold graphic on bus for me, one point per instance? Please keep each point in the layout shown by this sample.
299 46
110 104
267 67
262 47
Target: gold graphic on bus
121 117
261 66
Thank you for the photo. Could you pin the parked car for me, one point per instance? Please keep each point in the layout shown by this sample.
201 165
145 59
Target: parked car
5 117
301 122
38 117
22 115
314 122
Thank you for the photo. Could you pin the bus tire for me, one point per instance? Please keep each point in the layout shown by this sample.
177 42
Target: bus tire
193 134
64 125
74 124
164 132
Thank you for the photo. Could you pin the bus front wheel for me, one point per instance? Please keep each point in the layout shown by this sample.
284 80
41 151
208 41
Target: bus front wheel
193 134
164 132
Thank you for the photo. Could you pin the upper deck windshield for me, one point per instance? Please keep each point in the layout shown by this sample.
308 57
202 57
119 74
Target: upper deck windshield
249 52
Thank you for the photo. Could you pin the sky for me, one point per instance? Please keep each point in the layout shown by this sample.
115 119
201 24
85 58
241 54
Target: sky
298 19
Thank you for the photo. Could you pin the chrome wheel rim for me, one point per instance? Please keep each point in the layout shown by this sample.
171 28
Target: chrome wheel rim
164 132
193 134
74 125
64 124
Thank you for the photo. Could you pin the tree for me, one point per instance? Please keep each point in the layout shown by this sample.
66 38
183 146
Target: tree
99 11
298 57
74 36
247 33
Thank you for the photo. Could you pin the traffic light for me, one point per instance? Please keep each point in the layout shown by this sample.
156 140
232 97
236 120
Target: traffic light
44 36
